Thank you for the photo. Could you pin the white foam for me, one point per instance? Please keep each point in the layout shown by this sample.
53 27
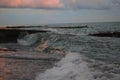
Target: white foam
28 39
72 67
51 29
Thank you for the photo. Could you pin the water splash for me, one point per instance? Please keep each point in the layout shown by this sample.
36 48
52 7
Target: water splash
72 67
27 39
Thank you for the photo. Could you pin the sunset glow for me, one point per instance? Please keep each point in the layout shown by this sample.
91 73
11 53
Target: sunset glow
31 3
58 11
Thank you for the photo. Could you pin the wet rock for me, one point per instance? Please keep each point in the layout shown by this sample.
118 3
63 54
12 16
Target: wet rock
106 34
58 50
42 46
6 49
10 35
24 69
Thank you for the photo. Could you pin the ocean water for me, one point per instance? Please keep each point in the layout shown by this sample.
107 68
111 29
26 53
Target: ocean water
101 54
77 40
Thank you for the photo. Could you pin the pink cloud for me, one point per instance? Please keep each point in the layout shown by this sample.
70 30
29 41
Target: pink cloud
66 4
32 3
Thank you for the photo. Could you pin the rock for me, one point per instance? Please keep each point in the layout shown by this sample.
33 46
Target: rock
10 35
58 50
42 46
6 49
106 34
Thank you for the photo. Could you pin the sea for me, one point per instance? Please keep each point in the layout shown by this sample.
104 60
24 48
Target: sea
87 57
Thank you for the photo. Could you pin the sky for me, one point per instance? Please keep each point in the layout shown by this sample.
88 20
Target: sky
35 12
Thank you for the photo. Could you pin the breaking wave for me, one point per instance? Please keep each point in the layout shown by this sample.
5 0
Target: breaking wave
66 31
27 39
72 67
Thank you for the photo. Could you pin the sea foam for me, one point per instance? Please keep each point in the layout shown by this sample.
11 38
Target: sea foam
72 67
28 39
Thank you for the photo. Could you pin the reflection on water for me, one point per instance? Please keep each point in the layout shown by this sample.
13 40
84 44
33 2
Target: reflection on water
11 69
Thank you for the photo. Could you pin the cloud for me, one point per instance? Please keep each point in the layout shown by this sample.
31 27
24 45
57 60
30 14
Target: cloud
31 4
116 3
61 4
91 4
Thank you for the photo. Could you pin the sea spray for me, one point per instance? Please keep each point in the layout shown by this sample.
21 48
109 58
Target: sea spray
27 39
72 67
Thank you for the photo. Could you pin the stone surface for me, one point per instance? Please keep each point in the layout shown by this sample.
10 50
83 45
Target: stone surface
22 65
